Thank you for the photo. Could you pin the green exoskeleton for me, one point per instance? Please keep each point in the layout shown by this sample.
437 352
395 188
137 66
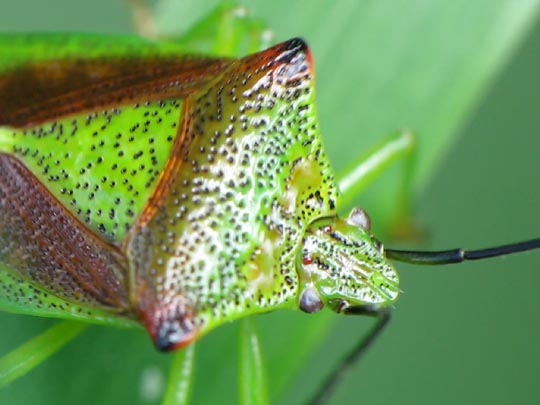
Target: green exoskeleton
181 211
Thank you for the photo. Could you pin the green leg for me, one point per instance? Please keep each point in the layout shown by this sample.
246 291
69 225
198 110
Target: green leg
324 392
253 388
180 377
228 30
18 362
396 147
143 18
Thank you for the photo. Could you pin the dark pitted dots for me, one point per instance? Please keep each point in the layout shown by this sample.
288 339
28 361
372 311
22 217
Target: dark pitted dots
91 148
73 255
235 213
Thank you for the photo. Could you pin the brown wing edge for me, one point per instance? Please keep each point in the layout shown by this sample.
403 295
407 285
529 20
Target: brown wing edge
50 248
44 91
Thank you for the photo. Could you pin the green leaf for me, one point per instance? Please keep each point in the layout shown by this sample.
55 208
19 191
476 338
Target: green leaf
380 66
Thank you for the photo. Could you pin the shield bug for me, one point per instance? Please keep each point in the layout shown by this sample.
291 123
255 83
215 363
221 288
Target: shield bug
164 327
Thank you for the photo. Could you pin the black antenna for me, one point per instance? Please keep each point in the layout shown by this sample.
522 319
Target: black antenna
459 255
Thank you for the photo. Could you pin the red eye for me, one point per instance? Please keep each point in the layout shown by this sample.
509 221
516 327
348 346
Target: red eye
307 260
327 229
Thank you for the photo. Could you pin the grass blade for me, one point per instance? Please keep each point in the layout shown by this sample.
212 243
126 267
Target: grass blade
20 361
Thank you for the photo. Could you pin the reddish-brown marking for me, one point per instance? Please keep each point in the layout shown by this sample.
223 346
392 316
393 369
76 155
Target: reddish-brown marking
39 92
307 260
44 244
171 169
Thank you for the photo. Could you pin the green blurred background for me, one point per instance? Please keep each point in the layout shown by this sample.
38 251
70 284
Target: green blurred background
464 76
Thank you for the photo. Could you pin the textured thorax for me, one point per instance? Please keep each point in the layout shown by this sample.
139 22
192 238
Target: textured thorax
248 174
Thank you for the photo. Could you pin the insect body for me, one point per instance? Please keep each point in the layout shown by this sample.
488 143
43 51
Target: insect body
182 207
181 193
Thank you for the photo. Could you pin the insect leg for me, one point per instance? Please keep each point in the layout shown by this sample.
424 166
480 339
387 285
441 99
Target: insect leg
143 18
253 387
30 354
399 146
382 316
181 373
227 30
